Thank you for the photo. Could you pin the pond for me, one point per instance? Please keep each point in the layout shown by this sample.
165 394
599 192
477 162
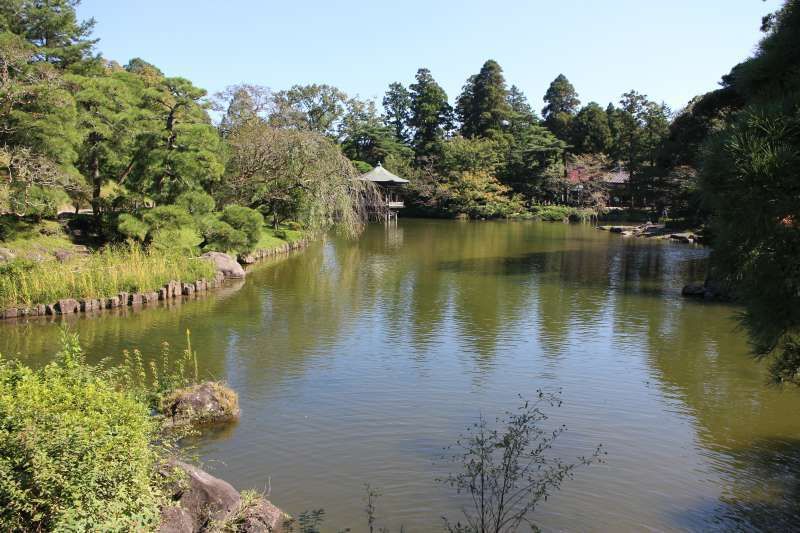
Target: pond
360 361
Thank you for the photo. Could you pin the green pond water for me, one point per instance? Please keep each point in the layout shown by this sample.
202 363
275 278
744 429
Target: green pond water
359 361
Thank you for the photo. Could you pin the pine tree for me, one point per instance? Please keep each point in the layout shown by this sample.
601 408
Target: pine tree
562 104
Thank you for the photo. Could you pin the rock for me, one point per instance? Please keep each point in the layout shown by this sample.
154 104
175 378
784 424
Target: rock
681 237
188 289
62 256
201 498
202 502
248 259
694 290
174 289
176 519
225 264
38 310
6 255
150 297
135 299
124 299
163 294
11 312
208 402
200 285
67 306
259 516
112 303
50 309
87 304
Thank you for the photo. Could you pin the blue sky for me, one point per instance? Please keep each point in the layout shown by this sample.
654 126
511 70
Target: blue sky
669 50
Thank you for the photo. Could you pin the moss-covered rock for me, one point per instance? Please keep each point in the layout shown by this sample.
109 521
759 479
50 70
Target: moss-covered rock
204 403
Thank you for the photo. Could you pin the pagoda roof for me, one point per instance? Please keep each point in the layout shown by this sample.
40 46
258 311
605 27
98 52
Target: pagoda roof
381 175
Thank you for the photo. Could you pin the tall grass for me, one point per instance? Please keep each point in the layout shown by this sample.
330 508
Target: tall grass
559 213
99 275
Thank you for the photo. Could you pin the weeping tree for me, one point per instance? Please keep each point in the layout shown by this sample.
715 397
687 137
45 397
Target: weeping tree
293 174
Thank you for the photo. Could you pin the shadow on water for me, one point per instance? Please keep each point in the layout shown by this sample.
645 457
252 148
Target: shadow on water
764 495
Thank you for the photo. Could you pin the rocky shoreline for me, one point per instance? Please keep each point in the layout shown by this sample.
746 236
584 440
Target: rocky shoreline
655 231
227 268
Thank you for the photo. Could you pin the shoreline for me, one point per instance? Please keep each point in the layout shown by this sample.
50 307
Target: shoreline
170 291
655 231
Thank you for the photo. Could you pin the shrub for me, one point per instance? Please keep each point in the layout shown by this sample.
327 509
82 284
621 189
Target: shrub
132 227
196 203
75 451
168 217
185 240
247 220
222 237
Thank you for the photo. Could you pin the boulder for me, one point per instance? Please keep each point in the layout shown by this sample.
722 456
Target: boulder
173 289
11 312
200 498
67 306
188 289
135 299
112 303
207 402
150 297
50 309
202 502
225 264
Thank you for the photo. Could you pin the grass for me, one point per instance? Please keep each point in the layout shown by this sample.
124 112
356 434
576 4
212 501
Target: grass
271 238
100 274
24 237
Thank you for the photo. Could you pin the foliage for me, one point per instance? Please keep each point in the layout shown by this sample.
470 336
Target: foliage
589 131
246 220
222 237
508 471
397 111
99 275
196 203
76 450
132 227
431 114
483 107
562 104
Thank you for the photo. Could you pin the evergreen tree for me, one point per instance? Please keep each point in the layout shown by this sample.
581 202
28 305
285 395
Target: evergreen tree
181 148
431 114
521 111
397 111
590 131
562 104
52 27
241 110
483 105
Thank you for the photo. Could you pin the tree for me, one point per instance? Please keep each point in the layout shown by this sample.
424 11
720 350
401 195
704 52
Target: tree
749 179
431 115
295 174
590 132
483 106
108 120
316 108
521 112
52 27
397 111
562 103
364 137
180 149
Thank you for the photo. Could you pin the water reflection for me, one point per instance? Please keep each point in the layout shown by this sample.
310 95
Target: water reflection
358 360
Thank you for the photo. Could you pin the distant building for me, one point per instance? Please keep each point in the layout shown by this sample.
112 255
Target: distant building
388 184
617 182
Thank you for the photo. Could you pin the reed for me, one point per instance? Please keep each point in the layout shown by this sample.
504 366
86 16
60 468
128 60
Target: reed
100 274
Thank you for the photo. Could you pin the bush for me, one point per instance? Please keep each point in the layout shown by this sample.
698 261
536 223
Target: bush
75 452
247 220
222 237
132 227
168 217
185 240
196 203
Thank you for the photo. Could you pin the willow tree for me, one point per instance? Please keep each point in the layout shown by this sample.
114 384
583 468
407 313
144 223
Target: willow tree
294 174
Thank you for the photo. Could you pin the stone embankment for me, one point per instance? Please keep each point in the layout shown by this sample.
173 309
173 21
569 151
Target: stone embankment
227 268
654 231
